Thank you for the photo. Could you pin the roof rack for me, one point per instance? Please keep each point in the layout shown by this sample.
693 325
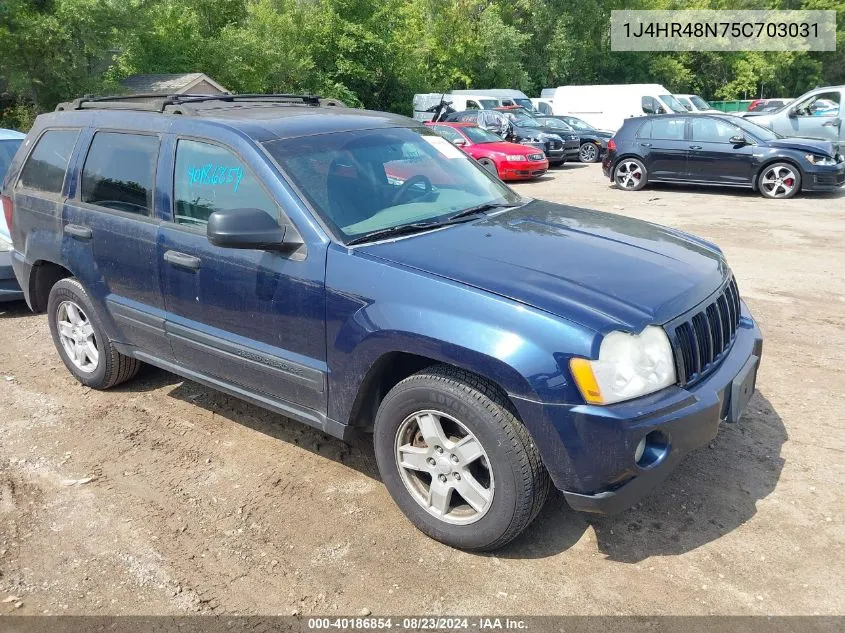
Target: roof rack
181 104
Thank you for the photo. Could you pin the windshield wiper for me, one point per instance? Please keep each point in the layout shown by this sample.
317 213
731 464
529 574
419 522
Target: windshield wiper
418 227
481 208
393 231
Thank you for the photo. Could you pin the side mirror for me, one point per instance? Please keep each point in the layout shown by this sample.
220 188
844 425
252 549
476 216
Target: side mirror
739 139
245 228
459 142
793 113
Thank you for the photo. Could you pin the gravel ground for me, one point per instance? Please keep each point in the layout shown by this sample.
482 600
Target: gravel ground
164 497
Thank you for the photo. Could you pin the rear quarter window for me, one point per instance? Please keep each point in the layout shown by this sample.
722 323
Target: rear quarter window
46 166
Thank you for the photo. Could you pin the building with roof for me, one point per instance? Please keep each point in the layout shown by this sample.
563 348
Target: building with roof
181 83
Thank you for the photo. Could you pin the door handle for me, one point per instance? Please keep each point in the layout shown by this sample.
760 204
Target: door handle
75 230
646 144
695 146
182 260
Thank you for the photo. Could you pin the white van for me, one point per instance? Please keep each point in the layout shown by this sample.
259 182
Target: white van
507 96
694 103
606 107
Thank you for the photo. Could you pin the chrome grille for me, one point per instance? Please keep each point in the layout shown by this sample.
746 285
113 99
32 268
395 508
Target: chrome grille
701 339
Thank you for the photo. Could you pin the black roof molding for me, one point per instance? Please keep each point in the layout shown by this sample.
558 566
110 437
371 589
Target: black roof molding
187 103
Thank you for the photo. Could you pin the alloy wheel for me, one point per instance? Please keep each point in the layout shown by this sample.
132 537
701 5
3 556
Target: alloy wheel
444 467
628 174
588 153
778 181
77 336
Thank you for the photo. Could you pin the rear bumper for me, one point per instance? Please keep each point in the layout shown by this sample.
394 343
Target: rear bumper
10 290
22 270
589 450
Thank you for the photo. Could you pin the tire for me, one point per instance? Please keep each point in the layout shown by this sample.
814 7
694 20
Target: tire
588 152
489 165
630 174
506 479
779 181
101 366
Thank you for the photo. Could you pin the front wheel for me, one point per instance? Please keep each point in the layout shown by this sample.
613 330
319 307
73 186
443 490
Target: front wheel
779 180
457 461
630 174
588 152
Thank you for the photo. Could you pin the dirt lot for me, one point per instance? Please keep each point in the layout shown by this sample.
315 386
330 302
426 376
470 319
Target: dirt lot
202 503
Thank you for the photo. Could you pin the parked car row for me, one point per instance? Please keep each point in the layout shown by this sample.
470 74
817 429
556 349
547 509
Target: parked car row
708 149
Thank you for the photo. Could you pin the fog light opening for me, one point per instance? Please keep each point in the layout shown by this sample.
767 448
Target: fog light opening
651 450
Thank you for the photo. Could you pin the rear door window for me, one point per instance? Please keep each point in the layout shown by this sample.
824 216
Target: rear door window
669 129
119 172
46 166
211 178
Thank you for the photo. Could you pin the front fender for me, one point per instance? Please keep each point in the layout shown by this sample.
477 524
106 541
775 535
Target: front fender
376 308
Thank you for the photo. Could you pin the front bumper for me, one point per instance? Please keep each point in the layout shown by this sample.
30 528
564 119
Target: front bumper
824 178
523 170
589 450
571 148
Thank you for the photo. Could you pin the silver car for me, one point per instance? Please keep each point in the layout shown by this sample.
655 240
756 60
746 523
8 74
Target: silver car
816 114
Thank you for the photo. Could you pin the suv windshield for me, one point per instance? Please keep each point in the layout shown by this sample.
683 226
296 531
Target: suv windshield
366 181
479 135
673 103
525 103
555 124
521 118
578 124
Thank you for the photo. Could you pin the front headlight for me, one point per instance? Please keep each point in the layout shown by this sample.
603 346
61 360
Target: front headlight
515 157
820 160
629 366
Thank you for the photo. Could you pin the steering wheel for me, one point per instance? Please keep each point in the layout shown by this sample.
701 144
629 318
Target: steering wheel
406 186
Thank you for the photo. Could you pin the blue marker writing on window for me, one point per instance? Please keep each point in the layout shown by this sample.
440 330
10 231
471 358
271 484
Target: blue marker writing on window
210 174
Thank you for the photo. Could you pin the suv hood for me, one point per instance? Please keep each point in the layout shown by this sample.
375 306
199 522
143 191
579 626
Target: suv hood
815 145
596 269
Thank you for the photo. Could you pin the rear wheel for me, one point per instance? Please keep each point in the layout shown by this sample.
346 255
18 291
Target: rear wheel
630 174
81 340
457 461
588 152
779 180
489 165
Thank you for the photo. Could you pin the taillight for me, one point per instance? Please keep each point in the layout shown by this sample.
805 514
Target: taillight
611 145
8 211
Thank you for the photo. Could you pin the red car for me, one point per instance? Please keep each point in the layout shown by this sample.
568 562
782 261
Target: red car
511 161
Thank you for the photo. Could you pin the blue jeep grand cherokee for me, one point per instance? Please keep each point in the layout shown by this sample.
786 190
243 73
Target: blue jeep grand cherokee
354 271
